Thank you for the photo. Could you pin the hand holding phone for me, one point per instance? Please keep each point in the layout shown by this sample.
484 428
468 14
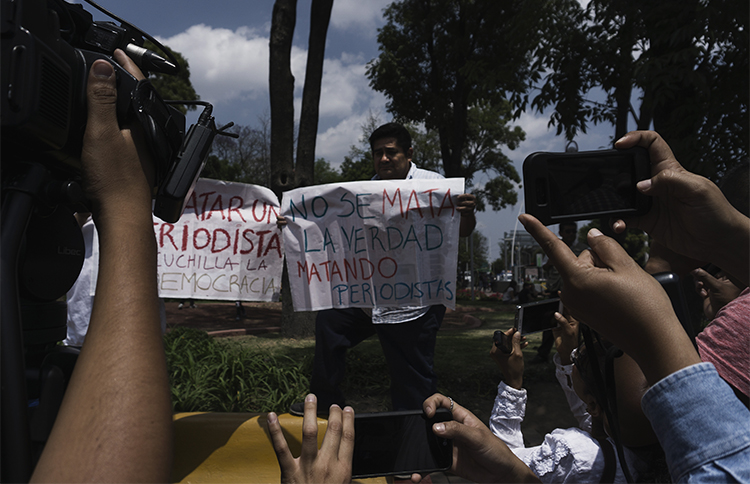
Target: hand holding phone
503 342
479 456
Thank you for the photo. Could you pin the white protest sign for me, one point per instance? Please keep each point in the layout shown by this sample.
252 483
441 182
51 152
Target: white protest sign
225 246
379 243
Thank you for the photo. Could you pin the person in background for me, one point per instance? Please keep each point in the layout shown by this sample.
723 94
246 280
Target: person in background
586 453
407 334
509 295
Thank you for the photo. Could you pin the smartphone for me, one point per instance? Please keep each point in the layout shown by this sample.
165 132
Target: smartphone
390 443
673 287
502 342
586 185
537 316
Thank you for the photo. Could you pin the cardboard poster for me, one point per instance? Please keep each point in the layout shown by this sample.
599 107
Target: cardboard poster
226 245
373 243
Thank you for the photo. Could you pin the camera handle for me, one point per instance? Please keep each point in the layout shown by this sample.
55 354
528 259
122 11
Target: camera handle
17 207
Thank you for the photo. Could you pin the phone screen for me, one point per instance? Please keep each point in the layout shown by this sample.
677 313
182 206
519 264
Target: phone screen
591 185
537 316
391 443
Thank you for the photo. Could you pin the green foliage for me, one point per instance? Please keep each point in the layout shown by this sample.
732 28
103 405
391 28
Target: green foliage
324 173
450 65
481 252
688 60
177 87
245 159
207 375
357 170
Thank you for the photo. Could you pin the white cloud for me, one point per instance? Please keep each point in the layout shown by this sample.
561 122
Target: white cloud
228 66
357 15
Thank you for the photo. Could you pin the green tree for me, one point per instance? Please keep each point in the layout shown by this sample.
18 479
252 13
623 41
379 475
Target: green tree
441 59
688 59
325 173
244 159
481 252
286 174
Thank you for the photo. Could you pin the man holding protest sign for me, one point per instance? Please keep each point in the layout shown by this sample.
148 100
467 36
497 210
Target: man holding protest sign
408 333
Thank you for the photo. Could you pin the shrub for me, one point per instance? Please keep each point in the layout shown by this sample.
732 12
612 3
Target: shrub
209 375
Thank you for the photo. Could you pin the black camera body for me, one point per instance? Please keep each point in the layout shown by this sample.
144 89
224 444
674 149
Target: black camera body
47 51
47 48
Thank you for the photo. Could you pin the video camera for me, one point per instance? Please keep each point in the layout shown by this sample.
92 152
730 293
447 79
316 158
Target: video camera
48 47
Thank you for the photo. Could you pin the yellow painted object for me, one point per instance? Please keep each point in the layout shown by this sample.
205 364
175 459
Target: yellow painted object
233 447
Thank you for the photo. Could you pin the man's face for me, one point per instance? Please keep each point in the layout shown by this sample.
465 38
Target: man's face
391 163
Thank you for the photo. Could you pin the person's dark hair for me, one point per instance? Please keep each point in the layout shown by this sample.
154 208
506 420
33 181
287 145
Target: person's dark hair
735 186
392 130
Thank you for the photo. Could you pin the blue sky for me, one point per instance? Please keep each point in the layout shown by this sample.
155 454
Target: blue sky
226 45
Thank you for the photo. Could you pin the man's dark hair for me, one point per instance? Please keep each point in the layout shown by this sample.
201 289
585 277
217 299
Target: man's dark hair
392 130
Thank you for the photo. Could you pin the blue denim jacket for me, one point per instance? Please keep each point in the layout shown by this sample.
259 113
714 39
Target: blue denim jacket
702 426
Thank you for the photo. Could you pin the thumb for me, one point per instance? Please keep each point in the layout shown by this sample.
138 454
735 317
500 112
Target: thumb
101 92
462 435
607 250
517 342
707 279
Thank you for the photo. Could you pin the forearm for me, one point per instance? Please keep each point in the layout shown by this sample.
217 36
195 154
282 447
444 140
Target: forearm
115 421
467 224
507 415
733 254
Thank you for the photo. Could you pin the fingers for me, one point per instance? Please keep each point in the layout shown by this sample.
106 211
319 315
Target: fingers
432 403
338 443
658 150
127 63
346 447
280 447
606 252
310 430
707 280
558 252
517 343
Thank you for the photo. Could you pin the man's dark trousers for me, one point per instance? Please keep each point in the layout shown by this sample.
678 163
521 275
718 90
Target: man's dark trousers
409 350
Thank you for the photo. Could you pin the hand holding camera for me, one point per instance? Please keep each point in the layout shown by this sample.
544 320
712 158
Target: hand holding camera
510 362
566 337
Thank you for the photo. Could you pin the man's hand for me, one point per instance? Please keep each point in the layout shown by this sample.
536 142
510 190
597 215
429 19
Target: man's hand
715 291
566 337
607 289
478 455
511 365
333 462
689 214
467 205
112 183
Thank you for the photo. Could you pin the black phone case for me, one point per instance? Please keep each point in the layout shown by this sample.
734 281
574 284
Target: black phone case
541 199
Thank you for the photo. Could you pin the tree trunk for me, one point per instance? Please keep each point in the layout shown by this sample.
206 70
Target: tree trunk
284 175
308 126
281 89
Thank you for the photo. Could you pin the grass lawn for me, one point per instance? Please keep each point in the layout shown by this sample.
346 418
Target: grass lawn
462 362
